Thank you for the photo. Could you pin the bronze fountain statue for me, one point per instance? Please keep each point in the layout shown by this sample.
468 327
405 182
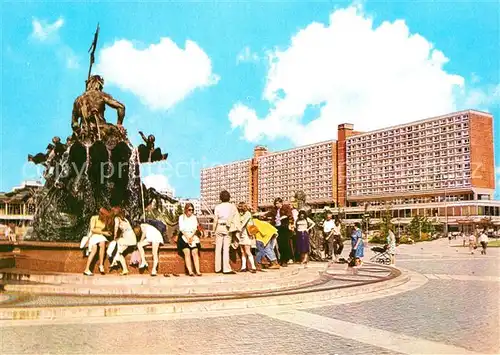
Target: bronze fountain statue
97 167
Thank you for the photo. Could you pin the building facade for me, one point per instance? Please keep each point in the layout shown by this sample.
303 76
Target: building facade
194 201
441 167
17 207
422 159
311 168
236 178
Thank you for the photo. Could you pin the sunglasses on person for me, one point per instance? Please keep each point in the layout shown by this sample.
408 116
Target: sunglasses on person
190 209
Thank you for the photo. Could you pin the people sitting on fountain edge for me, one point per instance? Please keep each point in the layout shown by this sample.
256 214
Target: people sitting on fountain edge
124 237
100 229
148 234
148 153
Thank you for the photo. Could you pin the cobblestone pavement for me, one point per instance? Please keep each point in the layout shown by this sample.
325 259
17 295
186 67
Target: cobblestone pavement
471 266
444 316
453 312
248 334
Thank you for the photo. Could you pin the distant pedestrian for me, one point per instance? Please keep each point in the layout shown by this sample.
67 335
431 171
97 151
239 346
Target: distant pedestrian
10 232
357 245
472 243
483 239
391 246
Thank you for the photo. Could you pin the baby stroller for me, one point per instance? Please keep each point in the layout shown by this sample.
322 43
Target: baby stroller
382 255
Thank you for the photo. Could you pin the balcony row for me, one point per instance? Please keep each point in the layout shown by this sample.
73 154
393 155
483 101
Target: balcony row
431 125
421 138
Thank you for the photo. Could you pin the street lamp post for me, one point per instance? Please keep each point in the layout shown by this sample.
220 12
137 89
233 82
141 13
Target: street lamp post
419 228
445 212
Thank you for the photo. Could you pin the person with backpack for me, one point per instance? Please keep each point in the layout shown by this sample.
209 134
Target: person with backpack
303 227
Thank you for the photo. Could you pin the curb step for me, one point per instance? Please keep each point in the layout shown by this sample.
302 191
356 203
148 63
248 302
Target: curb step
196 306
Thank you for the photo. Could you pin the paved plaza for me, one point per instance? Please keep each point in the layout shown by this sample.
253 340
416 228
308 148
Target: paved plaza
450 305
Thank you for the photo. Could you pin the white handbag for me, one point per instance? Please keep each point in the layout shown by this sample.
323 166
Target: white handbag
85 240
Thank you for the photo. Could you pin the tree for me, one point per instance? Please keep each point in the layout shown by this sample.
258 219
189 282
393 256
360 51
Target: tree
319 217
419 225
386 222
343 228
178 211
365 219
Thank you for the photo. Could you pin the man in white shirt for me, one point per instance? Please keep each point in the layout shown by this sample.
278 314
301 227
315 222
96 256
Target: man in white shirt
338 246
328 225
483 239
293 240
226 216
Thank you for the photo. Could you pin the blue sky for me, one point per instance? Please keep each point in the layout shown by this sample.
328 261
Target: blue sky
273 73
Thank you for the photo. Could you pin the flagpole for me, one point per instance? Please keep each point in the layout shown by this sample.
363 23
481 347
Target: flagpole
92 49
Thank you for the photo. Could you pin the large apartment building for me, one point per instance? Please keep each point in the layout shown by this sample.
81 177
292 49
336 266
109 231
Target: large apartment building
310 168
235 178
442 167
423 159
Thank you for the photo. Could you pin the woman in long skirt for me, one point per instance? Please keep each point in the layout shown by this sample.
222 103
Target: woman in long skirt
358 248
303 228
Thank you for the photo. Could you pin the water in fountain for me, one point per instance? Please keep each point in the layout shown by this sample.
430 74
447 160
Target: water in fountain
66 200
134 186
90 177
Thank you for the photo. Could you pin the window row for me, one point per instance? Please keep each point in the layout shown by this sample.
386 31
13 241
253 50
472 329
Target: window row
445 133
415 127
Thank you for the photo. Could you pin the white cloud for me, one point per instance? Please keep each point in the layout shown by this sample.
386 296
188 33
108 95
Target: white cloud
48 33
482 97
72 62
43 30
246 55
160 75
159 182
68 56
475 78
370 76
